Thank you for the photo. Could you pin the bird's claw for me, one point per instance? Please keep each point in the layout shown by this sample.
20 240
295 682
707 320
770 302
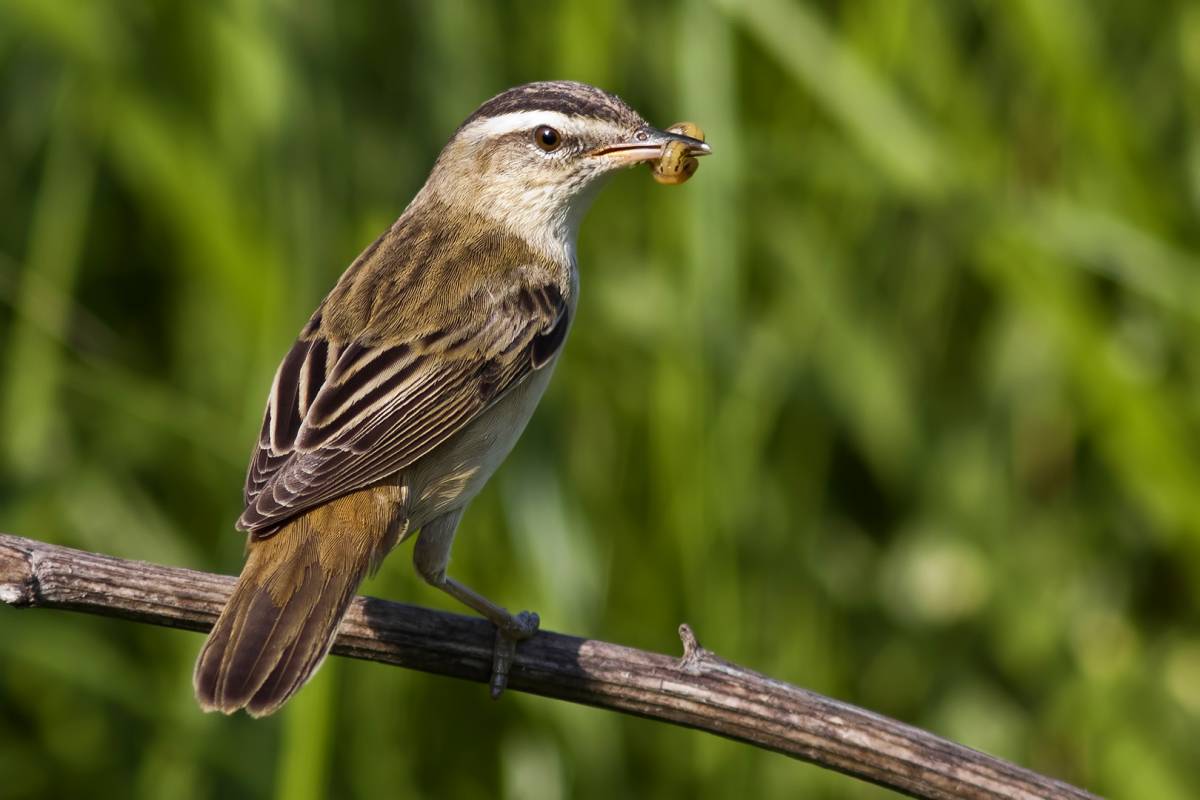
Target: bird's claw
518 628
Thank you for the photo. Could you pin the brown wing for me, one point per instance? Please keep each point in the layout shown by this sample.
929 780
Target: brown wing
341 417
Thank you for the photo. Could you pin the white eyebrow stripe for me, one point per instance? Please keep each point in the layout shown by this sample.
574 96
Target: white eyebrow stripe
515 121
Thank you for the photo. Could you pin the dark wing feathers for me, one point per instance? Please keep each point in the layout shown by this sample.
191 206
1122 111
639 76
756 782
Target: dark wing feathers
343 417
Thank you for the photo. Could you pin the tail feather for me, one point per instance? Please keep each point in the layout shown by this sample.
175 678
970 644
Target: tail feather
300 659
282 617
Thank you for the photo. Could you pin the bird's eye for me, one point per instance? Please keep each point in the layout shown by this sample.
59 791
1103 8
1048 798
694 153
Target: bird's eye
547 138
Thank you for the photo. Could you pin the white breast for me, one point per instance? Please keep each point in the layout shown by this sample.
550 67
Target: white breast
456 471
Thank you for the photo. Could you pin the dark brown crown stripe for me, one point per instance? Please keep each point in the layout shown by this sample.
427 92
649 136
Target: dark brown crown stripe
565 97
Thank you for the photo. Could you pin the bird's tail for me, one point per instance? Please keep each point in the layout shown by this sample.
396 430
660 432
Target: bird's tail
280 621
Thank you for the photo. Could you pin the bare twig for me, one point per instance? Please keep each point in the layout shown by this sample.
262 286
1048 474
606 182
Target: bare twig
698 691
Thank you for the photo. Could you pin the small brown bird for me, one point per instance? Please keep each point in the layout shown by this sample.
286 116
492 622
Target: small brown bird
413 380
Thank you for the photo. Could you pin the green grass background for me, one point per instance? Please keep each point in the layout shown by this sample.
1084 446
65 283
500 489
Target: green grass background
898 400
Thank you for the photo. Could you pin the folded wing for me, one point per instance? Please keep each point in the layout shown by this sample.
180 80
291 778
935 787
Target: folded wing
343 415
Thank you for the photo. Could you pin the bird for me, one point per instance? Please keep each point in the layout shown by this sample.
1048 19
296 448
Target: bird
412 381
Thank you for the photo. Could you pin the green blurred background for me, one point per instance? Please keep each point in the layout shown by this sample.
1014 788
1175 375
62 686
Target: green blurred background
898 400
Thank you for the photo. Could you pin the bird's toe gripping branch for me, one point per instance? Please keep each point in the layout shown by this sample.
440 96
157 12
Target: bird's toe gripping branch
520 627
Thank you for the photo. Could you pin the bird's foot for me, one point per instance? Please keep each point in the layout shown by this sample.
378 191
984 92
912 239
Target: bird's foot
508 633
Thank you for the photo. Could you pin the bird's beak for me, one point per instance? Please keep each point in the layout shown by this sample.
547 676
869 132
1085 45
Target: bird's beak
647 145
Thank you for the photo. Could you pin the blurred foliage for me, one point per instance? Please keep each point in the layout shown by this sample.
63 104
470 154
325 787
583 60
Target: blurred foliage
897 400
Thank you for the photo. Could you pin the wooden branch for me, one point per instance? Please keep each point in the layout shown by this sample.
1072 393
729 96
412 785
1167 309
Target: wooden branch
699 691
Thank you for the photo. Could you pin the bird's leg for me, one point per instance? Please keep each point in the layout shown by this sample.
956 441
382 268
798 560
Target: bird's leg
431 555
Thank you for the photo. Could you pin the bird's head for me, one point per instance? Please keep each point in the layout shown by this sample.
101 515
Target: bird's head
531 157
